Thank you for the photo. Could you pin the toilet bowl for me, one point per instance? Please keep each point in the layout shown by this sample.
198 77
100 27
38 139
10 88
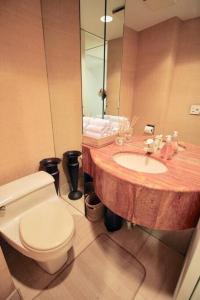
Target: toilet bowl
35 221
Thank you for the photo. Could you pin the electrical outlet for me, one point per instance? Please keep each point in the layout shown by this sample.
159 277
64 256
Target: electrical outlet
149 129
195 109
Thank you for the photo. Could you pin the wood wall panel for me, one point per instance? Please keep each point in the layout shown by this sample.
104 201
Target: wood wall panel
114 64
129 59
62 44
25 119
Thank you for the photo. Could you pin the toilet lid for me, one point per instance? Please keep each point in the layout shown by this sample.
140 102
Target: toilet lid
46 227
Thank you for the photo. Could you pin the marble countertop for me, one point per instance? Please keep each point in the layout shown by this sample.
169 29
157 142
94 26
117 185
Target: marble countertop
166 201
183 174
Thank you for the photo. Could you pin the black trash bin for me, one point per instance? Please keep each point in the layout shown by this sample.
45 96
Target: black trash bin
88 184
50 165
71 165
94 208
112 221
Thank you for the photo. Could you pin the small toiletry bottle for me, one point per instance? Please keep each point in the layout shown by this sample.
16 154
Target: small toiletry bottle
158 141
167 151
175 141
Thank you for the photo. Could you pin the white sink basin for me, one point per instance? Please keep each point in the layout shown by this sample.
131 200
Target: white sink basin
139 162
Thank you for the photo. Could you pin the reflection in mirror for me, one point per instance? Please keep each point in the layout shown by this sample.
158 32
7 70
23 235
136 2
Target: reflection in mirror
92 55
161 66
114 37
92 50
92 73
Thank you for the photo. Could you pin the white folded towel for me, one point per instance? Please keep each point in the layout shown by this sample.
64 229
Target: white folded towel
100 122
115 130
107 117
115 124
87 118
95 121
96 135
94 128
85 123
97 127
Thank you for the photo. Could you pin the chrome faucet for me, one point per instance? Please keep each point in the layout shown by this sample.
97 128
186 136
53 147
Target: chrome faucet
3 207
149 146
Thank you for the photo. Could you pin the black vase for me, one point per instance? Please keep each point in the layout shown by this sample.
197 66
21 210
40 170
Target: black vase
70 159
50 165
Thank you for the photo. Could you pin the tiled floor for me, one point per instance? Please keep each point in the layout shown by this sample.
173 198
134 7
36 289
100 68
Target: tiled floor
162 264
112 273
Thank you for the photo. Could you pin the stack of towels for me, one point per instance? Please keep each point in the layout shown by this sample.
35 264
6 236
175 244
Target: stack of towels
118 122
95 127
99 128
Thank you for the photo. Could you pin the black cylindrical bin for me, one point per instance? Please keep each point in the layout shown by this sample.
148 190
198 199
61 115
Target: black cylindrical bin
70 159
88 184
112 221
50 165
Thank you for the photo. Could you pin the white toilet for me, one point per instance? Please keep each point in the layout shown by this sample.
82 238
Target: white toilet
35 221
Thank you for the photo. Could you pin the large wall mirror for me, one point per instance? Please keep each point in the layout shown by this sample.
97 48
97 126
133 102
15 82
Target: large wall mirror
92 55
114 37
161 66
101 54
152 63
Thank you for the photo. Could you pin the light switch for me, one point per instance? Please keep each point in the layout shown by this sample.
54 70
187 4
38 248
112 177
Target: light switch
195 109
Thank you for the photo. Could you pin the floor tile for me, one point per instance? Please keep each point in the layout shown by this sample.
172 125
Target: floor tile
162 264
104 270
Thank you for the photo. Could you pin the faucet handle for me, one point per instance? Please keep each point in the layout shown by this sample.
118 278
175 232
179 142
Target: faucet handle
2 208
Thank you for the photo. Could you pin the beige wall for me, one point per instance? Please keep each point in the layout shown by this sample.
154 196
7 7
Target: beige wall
166 78
62 44
155 63
26 134
114 63
185 89
25 120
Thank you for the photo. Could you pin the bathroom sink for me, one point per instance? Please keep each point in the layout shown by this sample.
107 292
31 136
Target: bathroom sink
139 162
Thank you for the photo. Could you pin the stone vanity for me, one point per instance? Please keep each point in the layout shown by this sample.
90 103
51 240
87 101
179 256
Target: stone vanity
165 201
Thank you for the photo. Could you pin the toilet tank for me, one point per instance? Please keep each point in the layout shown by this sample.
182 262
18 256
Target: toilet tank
22 194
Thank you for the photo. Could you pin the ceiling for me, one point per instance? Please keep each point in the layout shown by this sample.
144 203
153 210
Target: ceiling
90 13
91 41
96 52
93 10
93 45
141 14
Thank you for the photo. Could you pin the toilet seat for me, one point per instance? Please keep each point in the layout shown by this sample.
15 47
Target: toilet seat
46 227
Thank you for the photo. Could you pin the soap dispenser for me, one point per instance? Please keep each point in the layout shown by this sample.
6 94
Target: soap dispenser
167 151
